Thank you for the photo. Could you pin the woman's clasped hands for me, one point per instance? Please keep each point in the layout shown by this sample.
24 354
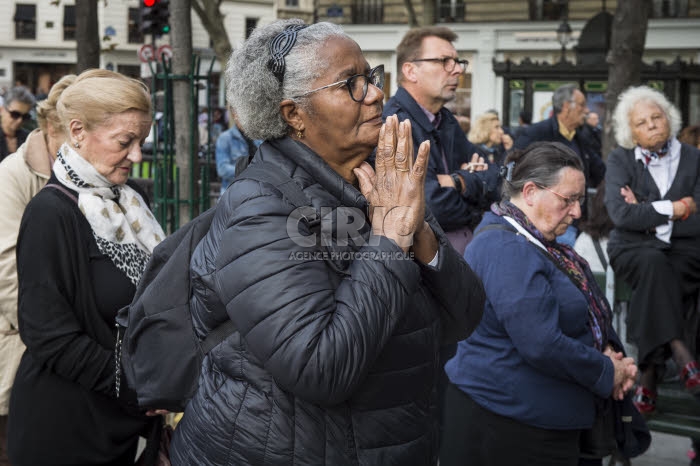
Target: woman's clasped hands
625 372
395 189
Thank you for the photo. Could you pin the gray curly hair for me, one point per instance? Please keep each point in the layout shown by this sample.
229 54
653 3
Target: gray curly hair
628 99
253 91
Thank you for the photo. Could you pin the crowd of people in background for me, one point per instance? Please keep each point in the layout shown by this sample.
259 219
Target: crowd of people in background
474 303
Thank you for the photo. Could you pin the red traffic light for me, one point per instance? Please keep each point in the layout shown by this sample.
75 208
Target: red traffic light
154 17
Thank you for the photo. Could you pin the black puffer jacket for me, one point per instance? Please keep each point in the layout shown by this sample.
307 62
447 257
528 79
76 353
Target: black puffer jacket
335 361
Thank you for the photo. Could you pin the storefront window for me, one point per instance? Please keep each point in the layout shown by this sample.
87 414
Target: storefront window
462 104
517 102
542 99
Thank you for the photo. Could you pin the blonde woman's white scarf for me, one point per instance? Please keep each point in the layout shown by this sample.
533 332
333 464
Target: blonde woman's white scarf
123 226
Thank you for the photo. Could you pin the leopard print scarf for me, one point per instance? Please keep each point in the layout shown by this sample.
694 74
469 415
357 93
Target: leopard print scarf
123 226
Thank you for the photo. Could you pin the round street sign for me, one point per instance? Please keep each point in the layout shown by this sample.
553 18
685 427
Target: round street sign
145 53
164 50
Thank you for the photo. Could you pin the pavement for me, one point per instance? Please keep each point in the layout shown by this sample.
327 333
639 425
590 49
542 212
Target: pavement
665 450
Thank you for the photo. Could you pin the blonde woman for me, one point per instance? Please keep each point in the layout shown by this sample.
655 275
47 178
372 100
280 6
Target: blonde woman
487 134
83 243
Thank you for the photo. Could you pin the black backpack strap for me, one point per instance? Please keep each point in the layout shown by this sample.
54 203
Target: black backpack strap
601 255
64 190
217 335
271 173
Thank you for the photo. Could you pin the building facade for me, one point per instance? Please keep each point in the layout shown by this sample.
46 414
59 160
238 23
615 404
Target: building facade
512 45
514 32
37 37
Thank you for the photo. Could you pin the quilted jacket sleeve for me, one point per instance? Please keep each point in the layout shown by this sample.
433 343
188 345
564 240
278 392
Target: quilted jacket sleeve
316 337
456 287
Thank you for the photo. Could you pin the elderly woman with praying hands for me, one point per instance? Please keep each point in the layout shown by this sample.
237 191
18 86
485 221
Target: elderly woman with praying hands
334 359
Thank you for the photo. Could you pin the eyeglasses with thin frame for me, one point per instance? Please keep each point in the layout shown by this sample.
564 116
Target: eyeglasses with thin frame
568 200
448 63
357 85
14 114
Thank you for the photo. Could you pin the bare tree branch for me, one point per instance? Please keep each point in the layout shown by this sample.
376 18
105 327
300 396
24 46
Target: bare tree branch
213 21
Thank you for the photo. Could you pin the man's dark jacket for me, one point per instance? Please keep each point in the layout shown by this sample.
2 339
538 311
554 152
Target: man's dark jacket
21 135
548 130
334 361
593 136
451 209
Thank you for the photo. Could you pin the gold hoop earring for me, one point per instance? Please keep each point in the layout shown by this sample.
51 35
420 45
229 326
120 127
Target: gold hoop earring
300 134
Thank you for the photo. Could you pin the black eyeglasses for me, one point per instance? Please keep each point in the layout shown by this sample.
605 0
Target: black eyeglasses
448 63
15 115
569 201
357 85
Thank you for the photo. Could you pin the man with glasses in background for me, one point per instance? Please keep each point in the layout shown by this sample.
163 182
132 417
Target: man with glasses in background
459 186
565 126
18 103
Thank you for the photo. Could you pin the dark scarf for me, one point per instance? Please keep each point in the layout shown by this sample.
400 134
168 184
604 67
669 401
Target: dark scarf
575 267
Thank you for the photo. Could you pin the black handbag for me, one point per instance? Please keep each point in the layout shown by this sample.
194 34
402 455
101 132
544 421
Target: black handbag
631 430
600 440
618 427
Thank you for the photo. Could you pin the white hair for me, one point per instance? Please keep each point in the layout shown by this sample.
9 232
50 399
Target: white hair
628 99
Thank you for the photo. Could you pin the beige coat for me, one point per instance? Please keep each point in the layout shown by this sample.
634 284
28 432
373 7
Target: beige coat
22 175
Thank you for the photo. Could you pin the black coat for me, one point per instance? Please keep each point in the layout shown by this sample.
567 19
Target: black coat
334 361
21 135
548 130
593 137
634 223
63 409
451 209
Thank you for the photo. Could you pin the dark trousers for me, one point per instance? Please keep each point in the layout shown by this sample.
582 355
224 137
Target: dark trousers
660 280
4 460
446 353
474 436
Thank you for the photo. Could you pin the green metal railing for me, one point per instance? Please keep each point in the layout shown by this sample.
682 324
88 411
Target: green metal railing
162 168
